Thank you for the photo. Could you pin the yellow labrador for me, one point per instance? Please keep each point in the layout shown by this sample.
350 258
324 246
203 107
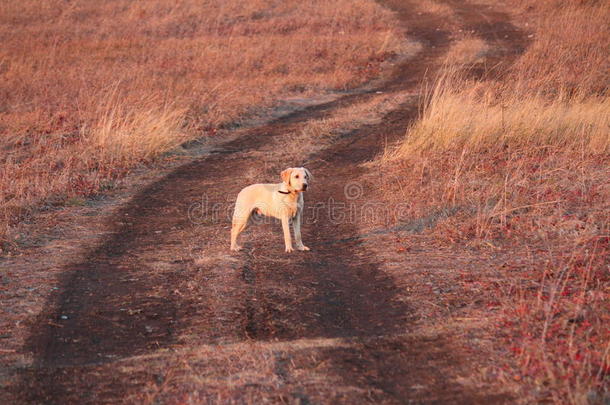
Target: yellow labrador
283 201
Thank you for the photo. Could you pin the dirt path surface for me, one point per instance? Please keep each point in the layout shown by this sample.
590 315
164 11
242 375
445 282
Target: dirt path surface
162 312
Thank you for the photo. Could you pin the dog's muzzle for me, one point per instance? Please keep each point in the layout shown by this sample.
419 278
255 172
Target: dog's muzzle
304 187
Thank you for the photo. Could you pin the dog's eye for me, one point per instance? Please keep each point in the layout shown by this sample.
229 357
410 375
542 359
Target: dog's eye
296 177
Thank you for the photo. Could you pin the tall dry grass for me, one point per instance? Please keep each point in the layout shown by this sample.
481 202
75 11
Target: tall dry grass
89 89
471 117
521 165
569 50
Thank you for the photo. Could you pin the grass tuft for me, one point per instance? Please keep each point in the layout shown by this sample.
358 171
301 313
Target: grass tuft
469 116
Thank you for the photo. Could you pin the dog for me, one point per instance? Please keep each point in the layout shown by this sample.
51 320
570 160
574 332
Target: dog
283 201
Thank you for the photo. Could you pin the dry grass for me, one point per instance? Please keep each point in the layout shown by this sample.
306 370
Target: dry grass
569 51
123 134
471 118
522 167
90 89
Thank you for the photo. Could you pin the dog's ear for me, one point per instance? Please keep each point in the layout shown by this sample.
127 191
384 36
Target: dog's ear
286 175
308 173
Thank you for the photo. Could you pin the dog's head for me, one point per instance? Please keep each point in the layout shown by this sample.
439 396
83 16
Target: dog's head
296 178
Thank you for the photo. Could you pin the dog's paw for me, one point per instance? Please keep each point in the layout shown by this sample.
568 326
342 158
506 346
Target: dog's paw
302 247
236 248
289 249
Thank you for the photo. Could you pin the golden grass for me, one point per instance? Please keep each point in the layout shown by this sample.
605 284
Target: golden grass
569 49
126 134
464 115
521 162
89 89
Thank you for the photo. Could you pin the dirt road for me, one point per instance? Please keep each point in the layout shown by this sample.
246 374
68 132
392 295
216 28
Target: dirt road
162 300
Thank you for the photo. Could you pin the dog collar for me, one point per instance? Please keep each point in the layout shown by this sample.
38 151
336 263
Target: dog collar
284 192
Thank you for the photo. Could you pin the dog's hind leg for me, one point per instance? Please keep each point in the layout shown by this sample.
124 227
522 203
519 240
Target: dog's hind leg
240 221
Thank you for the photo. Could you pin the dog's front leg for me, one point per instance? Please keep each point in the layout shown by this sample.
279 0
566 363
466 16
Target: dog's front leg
286 229
297 232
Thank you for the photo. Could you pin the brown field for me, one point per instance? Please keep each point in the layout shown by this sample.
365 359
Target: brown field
520 159
478 132
87 91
